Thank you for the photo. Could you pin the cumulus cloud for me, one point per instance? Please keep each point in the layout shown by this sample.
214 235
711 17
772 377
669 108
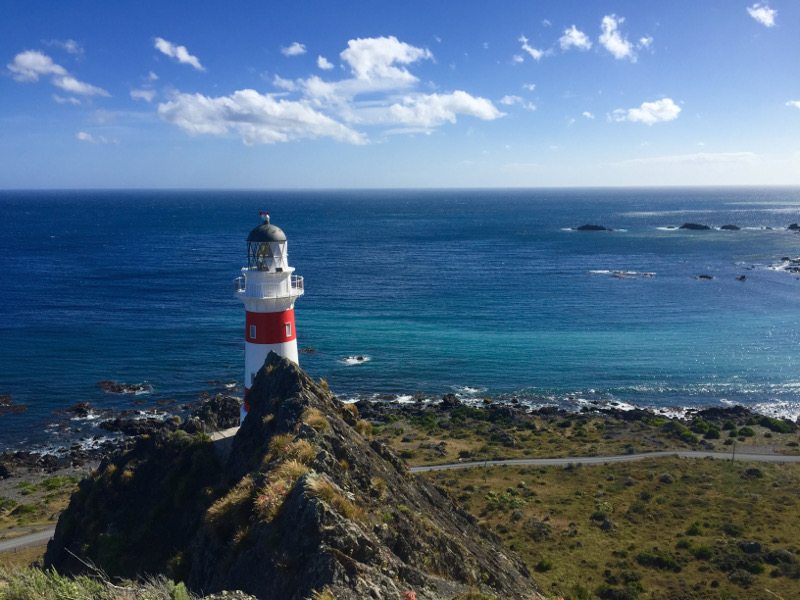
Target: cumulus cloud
793 103
517 58
587 115
294 49
645 41
257 118
146 95
763 14
574 38
649 113
529 86
179 53
534 53
30 65
318 108
152 76
324 64
382 58
612 39
432 110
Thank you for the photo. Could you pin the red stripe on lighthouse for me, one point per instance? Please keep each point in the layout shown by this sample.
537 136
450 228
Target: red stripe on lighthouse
270 328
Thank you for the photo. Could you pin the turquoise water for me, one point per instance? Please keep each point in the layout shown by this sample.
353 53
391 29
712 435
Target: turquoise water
487 293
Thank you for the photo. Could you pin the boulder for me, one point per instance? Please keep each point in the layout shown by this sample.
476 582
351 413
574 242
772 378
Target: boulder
794 227
730 228
695 227
450 401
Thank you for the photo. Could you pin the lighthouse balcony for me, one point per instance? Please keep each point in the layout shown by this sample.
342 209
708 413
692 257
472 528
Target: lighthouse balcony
287 287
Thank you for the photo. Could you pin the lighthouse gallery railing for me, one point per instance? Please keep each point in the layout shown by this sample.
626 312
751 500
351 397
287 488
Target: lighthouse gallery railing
268 290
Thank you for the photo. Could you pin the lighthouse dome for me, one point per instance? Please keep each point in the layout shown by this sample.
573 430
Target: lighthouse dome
266 232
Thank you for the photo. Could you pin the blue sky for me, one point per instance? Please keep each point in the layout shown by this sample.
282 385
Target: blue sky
399 94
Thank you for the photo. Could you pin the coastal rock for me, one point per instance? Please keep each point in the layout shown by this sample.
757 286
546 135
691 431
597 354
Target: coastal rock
449 401
139 426
590 227
741 278
794 227
113 387
217 413
303 505
730 228
5 472
694 227
704 277
8 407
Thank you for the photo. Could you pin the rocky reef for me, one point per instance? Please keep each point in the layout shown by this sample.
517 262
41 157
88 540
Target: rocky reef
300 505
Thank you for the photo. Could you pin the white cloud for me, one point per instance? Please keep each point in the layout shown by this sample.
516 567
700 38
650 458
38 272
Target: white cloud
152 76
432 110
284 84
529 86
517 58
649 113
510 100
534 53
29 65
256 118
613 41
179 53
587 115
68 100
645 41
794 103
517 101
574 38
373 59
324 64
83 136
69 46
146 95
698 158
73 86
763 14
294 49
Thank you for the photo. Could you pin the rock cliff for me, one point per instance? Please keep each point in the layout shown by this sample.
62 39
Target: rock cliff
304 504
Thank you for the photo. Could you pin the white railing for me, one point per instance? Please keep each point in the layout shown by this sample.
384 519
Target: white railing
260 289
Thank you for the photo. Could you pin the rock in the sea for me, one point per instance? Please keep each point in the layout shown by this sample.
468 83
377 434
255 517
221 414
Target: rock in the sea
704 277
695 226
730 228
303 505
794 227
450 401
139 425
9 407
590 227
113 387
741 278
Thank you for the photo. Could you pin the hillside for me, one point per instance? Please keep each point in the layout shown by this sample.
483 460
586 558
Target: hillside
301 504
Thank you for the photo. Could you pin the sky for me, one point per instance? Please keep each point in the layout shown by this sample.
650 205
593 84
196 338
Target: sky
412 94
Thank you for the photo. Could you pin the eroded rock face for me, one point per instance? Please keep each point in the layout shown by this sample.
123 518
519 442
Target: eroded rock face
304 504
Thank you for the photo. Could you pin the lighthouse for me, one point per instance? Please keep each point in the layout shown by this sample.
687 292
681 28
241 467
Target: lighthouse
268 288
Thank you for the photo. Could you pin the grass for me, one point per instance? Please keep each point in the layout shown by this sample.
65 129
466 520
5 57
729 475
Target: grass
473 434
314 418
325 490
620 531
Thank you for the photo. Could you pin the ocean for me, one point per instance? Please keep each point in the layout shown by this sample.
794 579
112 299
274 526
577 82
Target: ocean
483 293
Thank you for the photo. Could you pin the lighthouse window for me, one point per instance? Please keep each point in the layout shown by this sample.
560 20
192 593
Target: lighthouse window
288 330
252 332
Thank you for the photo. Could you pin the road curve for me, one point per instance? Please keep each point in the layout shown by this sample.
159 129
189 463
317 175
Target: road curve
23 541
44 535
601 460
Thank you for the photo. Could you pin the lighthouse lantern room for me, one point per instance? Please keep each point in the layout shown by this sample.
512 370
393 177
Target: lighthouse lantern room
268 288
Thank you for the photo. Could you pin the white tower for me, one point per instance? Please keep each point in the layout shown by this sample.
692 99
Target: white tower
268 289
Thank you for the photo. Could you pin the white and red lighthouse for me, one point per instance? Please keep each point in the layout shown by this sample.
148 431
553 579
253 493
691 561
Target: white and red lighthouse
268 288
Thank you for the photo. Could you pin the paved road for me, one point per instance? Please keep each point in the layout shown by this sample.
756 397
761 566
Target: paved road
24 541
601 460
45 535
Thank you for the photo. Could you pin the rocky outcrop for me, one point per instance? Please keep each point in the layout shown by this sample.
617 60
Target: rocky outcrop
695 227
794 227
590 227
304 505
730 228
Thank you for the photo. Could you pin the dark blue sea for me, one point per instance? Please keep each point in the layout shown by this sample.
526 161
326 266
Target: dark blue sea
481 293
